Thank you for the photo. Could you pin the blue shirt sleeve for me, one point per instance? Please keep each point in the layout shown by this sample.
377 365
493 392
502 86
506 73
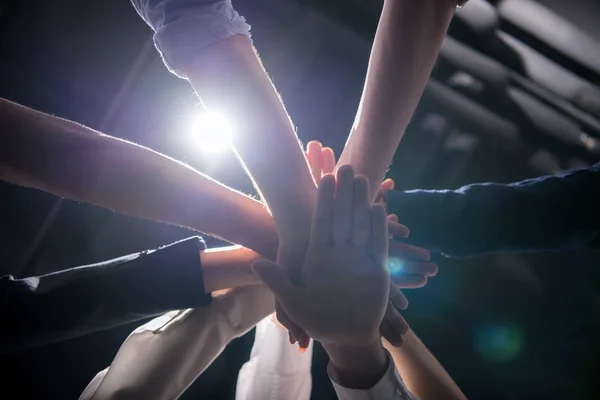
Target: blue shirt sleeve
547 213
77 301
183 28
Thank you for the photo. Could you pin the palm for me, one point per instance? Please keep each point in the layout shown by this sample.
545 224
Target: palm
352 294
341 294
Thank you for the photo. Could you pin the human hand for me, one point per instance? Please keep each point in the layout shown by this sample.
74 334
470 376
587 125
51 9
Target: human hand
343 291
408 265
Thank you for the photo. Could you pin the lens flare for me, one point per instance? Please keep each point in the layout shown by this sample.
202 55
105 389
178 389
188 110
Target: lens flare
212 132
499 342
395 266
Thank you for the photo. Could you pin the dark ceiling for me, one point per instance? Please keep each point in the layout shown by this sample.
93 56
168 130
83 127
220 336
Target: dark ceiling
507 101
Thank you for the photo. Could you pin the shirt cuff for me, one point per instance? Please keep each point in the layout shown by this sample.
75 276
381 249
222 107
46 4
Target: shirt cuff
169 278
390 386
191 29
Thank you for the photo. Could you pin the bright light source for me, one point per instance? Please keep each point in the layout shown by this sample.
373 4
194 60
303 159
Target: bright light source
212 132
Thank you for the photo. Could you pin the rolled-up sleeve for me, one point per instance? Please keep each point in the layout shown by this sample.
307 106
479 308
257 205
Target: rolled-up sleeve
77 301
183 28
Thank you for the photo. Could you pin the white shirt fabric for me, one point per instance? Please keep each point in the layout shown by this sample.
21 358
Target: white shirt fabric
390 387
276 369
162 358
183 28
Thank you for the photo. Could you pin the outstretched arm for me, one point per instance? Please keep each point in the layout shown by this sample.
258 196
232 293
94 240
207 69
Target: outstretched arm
67 159
229 76
422 372
408 39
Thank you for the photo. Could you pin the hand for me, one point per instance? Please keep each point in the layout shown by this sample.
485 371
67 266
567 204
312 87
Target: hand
408 265
343 294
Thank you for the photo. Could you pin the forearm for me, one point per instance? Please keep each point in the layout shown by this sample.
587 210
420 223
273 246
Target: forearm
357 368
230 77
424 376
70 160
408 38
162 358
228 267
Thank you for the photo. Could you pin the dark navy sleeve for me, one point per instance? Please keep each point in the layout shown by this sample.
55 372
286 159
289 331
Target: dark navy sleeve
74 302
547 213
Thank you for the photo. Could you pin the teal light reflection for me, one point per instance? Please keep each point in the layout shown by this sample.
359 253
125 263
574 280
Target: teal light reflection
499 342
395 266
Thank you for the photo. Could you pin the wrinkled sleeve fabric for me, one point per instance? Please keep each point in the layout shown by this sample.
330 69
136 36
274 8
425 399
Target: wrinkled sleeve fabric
183 28
547 213
77 301
276 369
390 387
160 359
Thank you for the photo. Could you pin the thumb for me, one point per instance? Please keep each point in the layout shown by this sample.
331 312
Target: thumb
275 278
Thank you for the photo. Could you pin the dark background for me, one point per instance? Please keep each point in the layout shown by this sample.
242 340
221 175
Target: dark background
516 326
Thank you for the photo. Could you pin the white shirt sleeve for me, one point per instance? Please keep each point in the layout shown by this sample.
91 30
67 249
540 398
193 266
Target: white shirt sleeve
184 28
276 369
389 387
160 359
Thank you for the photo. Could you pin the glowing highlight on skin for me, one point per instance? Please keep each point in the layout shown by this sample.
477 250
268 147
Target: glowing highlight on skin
395 266
212 132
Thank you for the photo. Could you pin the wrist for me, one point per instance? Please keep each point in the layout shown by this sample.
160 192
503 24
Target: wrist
357 367
228 267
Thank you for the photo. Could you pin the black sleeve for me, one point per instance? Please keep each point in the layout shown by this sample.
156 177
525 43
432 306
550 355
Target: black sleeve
547 213
77 301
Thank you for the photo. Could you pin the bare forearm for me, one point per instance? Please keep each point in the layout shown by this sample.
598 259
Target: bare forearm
230 77
423 374
70 160
408 39
228 267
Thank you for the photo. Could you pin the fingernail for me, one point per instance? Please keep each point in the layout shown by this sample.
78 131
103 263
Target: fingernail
302 349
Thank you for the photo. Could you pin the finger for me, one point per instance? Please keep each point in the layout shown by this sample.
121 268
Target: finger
395 320
277 281
399 266
327 160
379 235
387 185
392 218
342 210
397 298
322 224
398 230
409 281
407 251
296 333
361 221
390 334
313 150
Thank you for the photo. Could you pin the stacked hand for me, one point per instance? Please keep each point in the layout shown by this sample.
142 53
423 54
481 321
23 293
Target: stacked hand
409 266
342 295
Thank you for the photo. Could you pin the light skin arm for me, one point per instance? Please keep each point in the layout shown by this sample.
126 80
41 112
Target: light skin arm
407 42
422 372
228 267
67 159
229 76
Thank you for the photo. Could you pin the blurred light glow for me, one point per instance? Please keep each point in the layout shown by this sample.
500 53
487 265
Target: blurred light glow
499 342
212 132
395 266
